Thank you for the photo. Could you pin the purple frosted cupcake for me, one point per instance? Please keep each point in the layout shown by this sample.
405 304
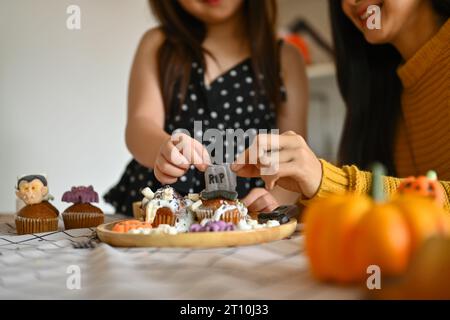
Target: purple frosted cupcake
82 214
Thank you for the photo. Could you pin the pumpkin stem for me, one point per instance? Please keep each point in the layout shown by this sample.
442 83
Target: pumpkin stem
378 171
432 175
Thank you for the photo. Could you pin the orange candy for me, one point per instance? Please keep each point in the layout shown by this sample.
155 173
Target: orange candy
127 225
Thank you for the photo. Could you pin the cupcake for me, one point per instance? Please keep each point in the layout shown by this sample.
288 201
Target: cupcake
167 206
82 214
231 211
38 214
219 200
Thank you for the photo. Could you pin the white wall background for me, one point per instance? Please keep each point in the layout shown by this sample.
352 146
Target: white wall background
63 93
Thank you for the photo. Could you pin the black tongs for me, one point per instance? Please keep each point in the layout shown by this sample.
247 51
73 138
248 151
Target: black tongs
282 214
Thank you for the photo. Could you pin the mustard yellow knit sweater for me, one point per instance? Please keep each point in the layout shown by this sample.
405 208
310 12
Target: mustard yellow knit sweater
423 135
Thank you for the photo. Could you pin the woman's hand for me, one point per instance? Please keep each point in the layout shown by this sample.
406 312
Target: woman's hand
284 160
260 200
176 155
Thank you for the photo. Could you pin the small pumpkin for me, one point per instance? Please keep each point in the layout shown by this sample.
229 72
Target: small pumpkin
426 277
427 186
344 234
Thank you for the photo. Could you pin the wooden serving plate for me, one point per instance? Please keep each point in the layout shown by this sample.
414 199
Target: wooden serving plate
195 239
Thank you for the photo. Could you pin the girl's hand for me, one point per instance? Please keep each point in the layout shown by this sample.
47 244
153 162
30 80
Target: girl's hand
176 155
260 200
285 160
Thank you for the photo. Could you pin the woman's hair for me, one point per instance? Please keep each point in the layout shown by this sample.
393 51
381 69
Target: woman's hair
184 35
371 89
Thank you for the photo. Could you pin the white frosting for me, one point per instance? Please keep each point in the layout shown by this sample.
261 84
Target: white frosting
241 208
272 223
251 224
193 197
196 205
168 194
221 210
162 229
144 202
148 193
204 222
184 221
228 207
243 225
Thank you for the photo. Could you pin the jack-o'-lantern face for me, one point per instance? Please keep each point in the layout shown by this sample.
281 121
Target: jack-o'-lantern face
423 186
32 192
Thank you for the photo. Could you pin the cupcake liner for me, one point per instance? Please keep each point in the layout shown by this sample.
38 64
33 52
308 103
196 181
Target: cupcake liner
138 213
76 220
163 218
35 225
232 216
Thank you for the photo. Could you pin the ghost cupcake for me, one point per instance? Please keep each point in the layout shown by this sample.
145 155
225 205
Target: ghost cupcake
82 213
167 207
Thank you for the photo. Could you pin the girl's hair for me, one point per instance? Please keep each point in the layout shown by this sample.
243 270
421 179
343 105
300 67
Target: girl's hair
371 90
184 35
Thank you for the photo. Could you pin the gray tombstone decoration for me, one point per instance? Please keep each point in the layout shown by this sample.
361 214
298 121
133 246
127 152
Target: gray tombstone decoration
220 182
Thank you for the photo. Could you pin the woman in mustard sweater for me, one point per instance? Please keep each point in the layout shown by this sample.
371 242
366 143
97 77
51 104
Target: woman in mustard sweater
395 82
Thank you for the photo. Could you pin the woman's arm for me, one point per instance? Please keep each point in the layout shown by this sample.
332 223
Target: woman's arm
350 178
145 124
299 170
293 113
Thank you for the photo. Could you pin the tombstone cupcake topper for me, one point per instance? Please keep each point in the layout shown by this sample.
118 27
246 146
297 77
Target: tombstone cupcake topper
220 182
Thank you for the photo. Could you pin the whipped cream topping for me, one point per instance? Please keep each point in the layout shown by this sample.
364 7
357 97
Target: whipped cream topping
251 224
161 229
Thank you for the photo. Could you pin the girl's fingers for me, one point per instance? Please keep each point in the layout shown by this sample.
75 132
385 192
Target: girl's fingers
273 142
289 169
174 156
193 151
264 204
289 133
277 157
202 159
253 195
259 200
247 171
169 169
264 145
163 178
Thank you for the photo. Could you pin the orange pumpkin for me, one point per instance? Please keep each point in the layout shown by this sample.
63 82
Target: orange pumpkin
344 234
127 225
427 186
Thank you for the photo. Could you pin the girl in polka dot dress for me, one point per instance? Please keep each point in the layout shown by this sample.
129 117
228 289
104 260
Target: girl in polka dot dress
218 62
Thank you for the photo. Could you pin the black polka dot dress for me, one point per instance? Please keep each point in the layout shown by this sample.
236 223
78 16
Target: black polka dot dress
231 102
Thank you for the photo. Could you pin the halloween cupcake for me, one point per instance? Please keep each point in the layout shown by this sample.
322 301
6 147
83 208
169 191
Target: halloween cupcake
231 211
167 206
82 214
219 200
38 214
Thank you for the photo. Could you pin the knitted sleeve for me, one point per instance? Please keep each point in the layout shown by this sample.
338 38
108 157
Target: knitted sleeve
350 178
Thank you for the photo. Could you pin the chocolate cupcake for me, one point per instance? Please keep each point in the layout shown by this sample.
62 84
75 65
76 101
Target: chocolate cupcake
38 214
82 214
